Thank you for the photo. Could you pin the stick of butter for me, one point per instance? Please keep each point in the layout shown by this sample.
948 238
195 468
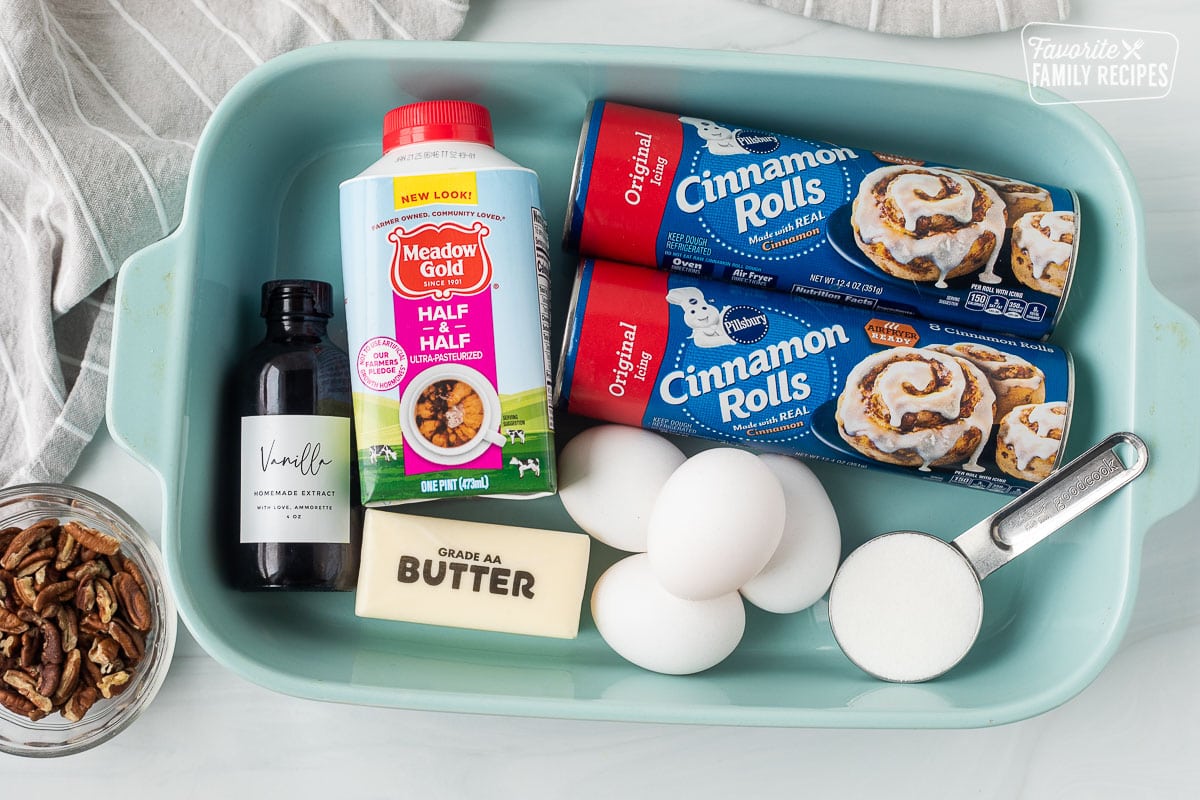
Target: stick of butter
471 575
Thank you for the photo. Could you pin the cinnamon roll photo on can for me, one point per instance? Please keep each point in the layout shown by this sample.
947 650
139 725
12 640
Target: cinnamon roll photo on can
841 224
744 366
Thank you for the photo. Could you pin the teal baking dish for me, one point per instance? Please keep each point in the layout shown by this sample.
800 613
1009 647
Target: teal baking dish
262 203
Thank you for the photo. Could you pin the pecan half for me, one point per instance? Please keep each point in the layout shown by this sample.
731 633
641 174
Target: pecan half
106 600
26 687
71 670
91 625
6 537
134 603
68 625
79 703
52 650
16 703
114 684
48 679
11 623
53 592
31 646
89 569
132 644
41 554
93 672
133 569
85 595
68 547
104 653
24 542
93 539
34 563
23 589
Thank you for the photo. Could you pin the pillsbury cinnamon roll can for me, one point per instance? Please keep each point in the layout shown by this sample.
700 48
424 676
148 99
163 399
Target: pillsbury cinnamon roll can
835 223
696 357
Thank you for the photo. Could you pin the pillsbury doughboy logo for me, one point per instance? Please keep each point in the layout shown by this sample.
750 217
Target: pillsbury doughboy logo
718 139
716 327
703 318
723 141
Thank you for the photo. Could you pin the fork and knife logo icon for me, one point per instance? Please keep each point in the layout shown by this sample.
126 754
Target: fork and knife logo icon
1132 50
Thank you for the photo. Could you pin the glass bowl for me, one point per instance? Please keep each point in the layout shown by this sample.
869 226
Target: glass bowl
54 735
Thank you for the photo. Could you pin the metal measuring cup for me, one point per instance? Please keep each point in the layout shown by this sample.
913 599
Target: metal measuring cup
907 606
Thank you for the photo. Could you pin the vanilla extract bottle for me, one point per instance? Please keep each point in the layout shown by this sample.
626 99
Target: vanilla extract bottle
299 518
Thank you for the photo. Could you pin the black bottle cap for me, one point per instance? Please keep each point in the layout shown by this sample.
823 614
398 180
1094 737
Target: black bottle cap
297 297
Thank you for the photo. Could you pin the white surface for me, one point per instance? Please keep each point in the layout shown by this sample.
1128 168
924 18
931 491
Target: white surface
1134 733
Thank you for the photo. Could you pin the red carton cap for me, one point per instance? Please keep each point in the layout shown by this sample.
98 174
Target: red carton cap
434 120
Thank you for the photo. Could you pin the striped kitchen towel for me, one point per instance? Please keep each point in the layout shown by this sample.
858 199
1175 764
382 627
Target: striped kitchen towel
935 18
101 104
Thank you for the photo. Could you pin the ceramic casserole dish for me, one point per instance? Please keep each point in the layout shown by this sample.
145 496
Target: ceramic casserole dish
263 203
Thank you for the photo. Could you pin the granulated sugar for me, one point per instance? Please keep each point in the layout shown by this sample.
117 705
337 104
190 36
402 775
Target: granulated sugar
906 606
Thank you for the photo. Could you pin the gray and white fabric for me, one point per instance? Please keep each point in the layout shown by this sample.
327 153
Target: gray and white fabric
101 104
932 18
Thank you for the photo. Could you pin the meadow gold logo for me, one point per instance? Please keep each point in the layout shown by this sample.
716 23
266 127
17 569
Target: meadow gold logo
440 261
1086 64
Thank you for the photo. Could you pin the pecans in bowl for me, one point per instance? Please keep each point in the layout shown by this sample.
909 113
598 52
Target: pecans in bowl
74 615
88 623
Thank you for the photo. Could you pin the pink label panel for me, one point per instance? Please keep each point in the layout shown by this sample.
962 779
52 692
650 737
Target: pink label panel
437 335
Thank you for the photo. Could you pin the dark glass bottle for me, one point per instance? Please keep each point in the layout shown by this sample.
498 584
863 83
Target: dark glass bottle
299 517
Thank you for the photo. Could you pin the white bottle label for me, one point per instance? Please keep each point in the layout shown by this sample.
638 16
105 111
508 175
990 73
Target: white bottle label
295 479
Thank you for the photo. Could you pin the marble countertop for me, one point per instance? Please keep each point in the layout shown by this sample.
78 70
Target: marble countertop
1133 733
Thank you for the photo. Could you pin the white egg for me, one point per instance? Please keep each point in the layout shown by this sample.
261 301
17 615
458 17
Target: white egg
715 524
646 624
608 479
800 571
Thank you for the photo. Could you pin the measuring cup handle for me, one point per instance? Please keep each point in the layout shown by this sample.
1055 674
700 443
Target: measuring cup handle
1068 492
